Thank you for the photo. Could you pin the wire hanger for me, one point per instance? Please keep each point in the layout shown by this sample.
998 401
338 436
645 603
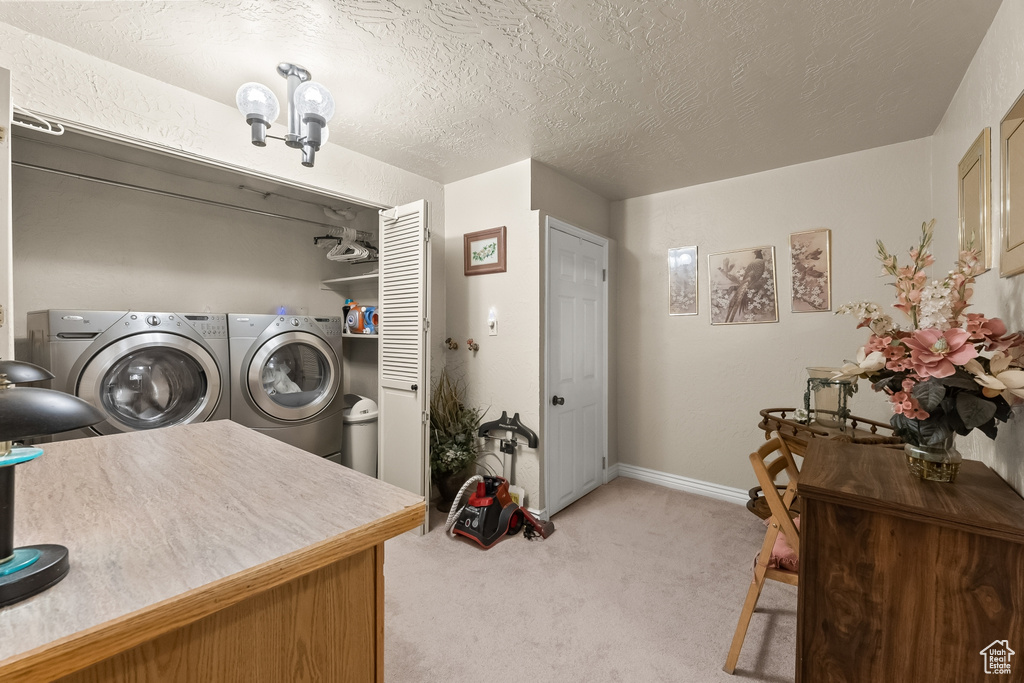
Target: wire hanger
42 125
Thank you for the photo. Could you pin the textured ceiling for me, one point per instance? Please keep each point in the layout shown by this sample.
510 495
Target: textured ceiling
625 98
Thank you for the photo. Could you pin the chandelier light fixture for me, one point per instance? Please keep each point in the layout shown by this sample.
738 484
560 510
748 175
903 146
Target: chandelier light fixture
310 107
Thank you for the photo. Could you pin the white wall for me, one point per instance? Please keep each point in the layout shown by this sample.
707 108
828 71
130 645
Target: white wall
504 373
507 372
557 196
85 245
689 392
993 82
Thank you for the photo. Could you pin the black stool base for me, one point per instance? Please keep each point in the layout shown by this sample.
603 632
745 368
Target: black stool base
49 569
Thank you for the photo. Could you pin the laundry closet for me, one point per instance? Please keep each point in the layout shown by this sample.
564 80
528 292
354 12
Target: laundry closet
99 225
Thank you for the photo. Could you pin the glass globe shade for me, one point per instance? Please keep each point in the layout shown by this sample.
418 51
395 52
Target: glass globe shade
256 99
313 98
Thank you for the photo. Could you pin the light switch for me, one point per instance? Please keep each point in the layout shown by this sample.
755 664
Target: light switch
492 323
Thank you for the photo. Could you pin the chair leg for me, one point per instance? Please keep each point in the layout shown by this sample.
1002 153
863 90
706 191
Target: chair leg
753 593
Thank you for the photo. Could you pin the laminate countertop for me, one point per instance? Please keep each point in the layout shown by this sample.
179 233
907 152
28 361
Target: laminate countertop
167 526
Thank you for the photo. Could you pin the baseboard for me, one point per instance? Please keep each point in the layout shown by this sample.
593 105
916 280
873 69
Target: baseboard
611 472
674 481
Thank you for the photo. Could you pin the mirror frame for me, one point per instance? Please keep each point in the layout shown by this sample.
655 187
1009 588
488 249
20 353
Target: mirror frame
1011 260
974 181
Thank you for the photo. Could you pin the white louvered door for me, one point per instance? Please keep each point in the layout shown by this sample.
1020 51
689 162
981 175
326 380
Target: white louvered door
404 357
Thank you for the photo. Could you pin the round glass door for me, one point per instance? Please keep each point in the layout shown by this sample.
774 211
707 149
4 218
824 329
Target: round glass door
151 380
294 376
152 388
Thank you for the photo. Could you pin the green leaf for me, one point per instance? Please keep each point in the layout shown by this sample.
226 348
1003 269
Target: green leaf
932 431
974 410
892 382
989 429
929 394
961 380
1003 409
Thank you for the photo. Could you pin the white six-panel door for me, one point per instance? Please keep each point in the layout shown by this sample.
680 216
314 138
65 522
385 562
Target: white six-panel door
6 258
576 377
404 357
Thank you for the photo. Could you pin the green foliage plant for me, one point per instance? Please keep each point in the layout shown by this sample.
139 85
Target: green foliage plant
453 426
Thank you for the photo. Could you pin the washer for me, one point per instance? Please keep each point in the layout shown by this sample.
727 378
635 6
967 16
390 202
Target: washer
142 369
286 378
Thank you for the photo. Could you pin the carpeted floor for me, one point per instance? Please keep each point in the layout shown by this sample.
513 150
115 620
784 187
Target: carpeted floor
638 583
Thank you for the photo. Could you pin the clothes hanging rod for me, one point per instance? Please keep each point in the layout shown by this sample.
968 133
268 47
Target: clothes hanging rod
42 125
360 234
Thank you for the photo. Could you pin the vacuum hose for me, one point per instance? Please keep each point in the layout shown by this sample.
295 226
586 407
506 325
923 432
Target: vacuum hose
453 515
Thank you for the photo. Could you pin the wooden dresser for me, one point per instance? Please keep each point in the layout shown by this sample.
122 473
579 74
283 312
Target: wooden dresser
901 580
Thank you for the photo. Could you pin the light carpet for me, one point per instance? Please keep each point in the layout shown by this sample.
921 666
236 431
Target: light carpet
638 583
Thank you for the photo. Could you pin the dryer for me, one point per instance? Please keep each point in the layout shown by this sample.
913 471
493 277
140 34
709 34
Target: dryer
142 369
286 378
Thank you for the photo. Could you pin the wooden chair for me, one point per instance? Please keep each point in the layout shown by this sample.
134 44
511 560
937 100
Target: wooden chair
779 521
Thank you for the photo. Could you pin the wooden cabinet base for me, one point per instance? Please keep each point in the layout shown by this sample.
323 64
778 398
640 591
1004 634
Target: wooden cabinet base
891 599
903 580
325 626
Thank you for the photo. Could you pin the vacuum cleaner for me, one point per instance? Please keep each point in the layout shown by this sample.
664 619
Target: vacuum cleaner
491 514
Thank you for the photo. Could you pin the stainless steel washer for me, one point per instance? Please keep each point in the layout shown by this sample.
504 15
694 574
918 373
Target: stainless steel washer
286 378
144 370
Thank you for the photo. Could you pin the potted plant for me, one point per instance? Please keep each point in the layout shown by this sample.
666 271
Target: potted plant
453 437
950 372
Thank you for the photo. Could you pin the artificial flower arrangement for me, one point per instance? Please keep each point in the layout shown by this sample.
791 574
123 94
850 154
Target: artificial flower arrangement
951 371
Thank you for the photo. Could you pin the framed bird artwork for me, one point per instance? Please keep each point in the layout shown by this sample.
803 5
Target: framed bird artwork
810 258
742 286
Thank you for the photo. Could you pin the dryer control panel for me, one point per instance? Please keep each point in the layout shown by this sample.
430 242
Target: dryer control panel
332 326
209 325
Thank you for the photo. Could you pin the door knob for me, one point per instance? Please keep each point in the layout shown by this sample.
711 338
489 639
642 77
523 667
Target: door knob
557 400
414 387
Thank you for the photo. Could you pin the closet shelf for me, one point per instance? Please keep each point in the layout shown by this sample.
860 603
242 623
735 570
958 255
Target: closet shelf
339 283
349 335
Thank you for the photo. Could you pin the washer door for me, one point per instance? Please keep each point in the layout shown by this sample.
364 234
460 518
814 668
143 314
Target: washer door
151 380
294 376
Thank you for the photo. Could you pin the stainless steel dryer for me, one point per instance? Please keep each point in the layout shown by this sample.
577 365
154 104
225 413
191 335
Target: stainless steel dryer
142 369
286 378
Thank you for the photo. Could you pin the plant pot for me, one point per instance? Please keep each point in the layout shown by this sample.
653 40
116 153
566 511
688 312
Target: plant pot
934 463
448 486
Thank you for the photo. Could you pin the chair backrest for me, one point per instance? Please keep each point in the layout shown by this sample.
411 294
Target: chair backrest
767 473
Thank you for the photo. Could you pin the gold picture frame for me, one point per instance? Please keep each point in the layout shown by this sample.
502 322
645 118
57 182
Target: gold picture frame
682 281
974 196
742 286
810 262
1011 152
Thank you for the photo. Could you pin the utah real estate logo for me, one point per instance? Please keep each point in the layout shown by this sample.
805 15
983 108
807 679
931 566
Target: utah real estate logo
997 657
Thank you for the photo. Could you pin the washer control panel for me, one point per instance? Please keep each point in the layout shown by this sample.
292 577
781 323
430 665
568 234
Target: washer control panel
209 325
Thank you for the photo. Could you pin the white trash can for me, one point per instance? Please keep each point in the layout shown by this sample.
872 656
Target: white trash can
359 434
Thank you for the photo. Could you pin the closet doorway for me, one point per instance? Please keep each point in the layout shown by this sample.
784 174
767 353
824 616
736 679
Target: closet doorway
576 364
